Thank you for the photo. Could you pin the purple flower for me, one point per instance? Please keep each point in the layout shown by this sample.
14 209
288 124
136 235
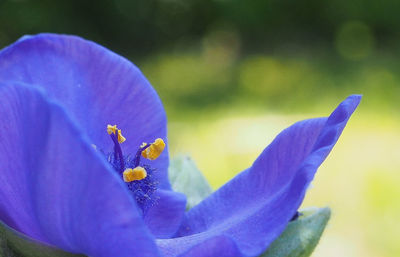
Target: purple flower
61 175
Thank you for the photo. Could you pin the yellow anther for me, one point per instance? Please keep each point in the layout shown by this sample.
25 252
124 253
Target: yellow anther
114 130
111 129
121 138
143 145
137 173
154 150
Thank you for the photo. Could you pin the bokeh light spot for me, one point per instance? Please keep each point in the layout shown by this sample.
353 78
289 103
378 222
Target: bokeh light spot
354 40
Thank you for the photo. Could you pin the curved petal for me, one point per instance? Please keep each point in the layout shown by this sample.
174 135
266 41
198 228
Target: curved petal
255 206
79 73
165 220
216 246
56 189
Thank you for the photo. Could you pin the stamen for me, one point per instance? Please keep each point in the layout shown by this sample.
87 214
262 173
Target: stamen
139 177
136 161
137 173
118 152
153 151
114 130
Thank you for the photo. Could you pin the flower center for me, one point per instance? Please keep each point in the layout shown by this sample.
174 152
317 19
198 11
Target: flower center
137 175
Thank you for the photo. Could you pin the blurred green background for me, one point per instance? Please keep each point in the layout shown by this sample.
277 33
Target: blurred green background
233 74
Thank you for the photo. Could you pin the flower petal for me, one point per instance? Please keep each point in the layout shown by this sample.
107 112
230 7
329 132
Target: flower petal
216 246
197 245
55 188
95 85
255 206
165 220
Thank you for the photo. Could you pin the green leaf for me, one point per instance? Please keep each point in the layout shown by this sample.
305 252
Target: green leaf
186 178
15 244
300 236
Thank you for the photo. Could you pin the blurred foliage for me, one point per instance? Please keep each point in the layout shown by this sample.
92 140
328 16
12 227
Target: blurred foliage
232 74
142 27
204 54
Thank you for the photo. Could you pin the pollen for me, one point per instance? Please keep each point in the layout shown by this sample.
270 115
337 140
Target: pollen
137 173
121 138
111 129
114 130
154 150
